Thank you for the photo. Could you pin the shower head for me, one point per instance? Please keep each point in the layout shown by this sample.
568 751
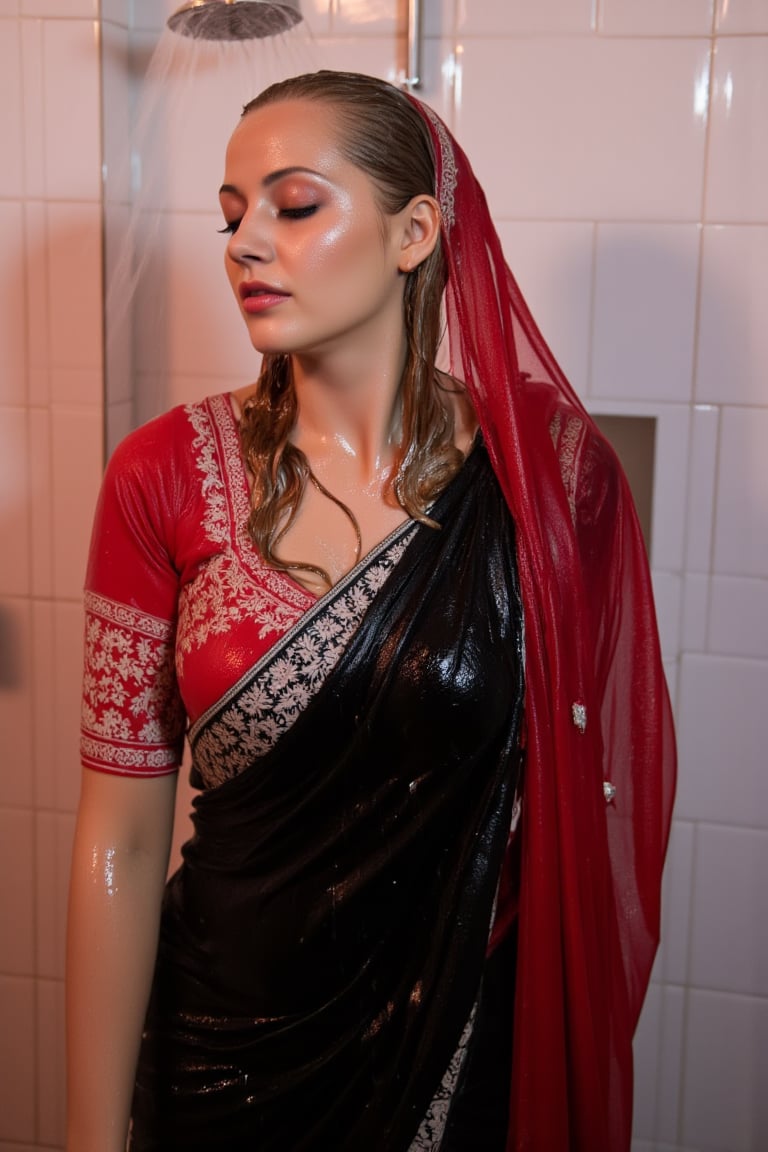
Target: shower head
234 19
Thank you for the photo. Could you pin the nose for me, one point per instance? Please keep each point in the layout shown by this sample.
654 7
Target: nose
251 242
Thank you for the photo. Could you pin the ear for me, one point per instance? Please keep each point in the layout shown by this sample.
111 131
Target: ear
419 231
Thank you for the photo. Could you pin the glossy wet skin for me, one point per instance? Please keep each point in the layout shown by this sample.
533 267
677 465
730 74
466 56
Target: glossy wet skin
318 272
306 223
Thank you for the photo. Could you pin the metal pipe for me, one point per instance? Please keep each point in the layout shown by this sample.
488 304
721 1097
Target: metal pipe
413 77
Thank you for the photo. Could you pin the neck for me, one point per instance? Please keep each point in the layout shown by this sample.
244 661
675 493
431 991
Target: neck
347 405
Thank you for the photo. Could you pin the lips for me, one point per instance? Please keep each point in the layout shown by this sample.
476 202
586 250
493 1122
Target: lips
257 297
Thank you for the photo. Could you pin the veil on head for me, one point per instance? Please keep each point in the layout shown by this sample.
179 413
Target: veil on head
583 871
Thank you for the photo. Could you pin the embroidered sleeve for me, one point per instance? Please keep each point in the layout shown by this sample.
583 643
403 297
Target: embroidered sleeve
132 719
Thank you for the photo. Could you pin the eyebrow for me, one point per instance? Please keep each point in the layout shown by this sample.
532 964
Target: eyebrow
273 177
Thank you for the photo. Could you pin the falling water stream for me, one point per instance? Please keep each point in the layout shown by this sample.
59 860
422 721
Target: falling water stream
189 94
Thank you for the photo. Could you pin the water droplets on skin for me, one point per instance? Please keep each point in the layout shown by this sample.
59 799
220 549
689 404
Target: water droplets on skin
189 95
103 868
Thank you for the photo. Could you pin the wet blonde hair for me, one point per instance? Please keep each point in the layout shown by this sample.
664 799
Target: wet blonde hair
381 133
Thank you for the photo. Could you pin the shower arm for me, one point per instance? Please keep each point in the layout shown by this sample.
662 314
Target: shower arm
413 77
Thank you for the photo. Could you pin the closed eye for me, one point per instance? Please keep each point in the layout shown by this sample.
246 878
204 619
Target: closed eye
229 228
299 213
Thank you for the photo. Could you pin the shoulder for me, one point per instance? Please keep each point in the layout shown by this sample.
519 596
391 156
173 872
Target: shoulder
158 477
154 443
163 452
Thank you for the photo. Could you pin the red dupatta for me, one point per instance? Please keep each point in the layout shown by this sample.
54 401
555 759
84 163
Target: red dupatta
583 872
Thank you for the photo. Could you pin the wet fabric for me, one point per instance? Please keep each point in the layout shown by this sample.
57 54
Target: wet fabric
582 879
178 602
323 944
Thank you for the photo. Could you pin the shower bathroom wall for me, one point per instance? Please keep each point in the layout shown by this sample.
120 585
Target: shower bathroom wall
623 147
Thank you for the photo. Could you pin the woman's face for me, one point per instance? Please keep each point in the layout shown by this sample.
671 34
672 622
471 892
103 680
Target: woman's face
312 262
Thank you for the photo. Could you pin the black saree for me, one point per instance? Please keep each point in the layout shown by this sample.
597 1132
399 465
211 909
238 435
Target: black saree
323 943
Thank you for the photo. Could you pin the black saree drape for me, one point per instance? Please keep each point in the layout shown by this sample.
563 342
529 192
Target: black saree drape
323 943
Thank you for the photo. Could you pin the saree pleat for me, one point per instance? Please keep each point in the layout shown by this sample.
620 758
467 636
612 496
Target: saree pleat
323 943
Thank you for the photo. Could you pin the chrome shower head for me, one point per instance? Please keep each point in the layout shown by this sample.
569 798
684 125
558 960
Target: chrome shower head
234 19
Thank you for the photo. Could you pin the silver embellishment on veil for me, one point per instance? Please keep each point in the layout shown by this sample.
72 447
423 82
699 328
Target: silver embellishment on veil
448 173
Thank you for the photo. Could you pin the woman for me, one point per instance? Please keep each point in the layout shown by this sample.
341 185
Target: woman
388 931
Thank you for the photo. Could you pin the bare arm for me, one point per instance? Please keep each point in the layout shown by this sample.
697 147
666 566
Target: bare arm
119 864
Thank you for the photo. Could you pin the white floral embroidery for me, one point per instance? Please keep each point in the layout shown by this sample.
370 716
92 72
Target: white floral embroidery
432 1128
221 596
132 717
236 584
447 171
263 706
570 441
214 495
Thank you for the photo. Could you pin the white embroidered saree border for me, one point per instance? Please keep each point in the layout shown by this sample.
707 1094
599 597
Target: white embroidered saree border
248 720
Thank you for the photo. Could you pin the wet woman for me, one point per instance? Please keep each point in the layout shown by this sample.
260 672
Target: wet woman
404 613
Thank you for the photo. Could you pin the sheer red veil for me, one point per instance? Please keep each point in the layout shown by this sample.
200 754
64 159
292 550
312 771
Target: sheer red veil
584 867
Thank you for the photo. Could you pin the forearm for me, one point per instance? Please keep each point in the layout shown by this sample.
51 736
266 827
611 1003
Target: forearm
115 896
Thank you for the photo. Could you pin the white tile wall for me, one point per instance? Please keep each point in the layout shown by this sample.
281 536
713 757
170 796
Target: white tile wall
50 338
646 1053
116 108
40 510
71 96
553 261
741 511
74 254
658 1051
738 141
198 329
369 18
54 835
60 8
50 1060
16 704
523 17
667 593
151 13
116 11
13 351
725 1106
17 899
589 122
317 16
702 476
676 903
37 299
741 16
17 1058
696 593
738 617
14 502
33 92
77 461
43 702
733 341
646 279
66 655
722 748
670 1068
655 17
11 137
564 150
730 861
